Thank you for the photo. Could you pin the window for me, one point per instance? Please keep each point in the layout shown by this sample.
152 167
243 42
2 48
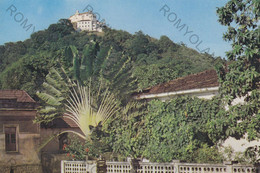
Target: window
10 139
63 141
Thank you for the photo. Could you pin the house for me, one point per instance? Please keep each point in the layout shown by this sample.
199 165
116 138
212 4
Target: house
203 85
19 136
58 126
52 152
85 21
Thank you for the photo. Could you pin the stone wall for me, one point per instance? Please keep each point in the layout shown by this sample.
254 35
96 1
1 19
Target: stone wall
51 163
26 154
53 146
52 152
34 168
4 169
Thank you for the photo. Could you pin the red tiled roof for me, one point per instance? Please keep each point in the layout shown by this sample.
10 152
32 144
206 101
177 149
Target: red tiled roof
205 79
20 95
70 122
63 122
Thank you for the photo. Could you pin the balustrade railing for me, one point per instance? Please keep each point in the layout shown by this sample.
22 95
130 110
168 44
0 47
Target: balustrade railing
149 167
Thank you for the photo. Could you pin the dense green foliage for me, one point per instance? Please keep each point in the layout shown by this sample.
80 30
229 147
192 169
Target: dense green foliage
91 148
182 128
169 130
241 78
24 65
135 62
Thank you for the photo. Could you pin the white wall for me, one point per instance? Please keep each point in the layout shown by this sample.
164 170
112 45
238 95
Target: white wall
85 22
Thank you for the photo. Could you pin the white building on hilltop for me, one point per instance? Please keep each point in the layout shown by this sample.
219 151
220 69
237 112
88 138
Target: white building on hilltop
85 21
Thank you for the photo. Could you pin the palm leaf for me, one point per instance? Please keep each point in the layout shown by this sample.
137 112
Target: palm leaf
80 110
49 99
52 89
47 110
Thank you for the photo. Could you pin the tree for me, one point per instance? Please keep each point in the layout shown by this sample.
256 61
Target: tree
138 44
89 111
165 43
241 78
48 47
126 130
53 96
88 57
63 98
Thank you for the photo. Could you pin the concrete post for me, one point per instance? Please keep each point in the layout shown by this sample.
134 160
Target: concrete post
101 166
229 166
176 164
62 167
134 164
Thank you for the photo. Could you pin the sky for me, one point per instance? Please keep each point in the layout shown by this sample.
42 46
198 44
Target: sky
192 22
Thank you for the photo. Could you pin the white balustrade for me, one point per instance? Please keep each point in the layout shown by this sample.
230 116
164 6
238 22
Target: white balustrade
149 167
118 167
78 167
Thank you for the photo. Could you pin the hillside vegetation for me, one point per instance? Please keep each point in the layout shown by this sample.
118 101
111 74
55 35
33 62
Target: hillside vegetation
136 61
183 128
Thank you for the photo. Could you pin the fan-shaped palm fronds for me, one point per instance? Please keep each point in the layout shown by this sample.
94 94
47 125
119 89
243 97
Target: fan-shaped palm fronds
84 109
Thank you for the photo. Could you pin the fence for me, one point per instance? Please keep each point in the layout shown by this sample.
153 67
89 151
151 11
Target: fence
78 167
144 167
148 167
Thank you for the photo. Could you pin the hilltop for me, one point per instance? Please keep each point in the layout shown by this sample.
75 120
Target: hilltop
148 61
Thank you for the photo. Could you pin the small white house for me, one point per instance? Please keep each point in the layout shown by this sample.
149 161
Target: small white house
203 85
85 21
